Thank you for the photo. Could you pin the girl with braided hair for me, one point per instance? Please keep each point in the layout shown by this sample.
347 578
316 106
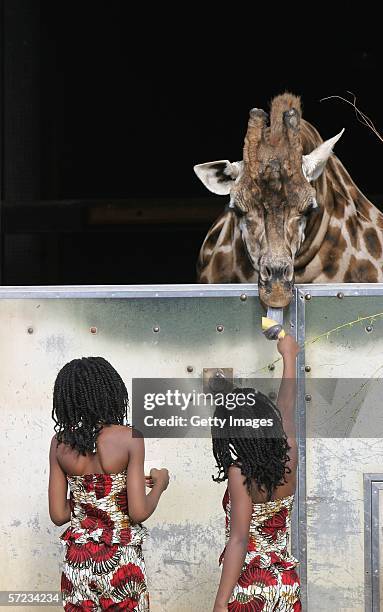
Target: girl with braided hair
102 460
260 465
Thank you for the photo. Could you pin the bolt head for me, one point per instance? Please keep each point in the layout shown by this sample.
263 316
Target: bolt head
243 297
369 328
190 368
271 366
308 296
156 329
340 295
93 330
220 328
30 330
307 368
308 397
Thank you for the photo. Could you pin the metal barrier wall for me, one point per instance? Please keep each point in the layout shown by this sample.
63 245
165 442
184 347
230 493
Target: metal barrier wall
339 406
41 328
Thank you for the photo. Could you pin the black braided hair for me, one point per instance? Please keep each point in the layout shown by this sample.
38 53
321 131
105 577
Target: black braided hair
260 453
88 393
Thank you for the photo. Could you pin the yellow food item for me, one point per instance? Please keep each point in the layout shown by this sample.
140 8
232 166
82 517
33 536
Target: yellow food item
268 323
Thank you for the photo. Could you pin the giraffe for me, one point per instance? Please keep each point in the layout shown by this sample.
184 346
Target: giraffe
295 214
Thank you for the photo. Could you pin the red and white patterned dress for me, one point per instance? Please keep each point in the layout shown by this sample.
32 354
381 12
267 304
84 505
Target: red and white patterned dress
104 567
268 581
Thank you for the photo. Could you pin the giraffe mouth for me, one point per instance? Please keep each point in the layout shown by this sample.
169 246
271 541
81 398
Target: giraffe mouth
275 294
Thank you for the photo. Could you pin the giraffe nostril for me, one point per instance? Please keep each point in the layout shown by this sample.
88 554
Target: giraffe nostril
276 270
266 272
288 272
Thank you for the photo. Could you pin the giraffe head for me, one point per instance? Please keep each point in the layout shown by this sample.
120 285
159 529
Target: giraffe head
272 194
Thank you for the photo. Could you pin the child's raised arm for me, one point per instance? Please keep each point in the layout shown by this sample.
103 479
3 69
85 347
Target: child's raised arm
286 401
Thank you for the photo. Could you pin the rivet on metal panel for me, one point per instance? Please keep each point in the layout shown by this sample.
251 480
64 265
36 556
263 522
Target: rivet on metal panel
340 295
369 328
308 296
156 329
243 297
30 330
308 397
271 366
307 368
190 368
93 330
220 328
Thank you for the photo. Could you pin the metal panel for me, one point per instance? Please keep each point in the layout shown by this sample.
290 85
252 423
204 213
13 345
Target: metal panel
43 328
301 439
373 541
186 545
338 347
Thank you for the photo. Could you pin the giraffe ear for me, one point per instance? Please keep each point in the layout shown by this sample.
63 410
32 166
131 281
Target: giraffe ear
314 163
218 176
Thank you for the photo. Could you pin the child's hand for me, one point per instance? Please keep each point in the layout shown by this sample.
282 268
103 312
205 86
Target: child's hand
287 346
149 481
160 477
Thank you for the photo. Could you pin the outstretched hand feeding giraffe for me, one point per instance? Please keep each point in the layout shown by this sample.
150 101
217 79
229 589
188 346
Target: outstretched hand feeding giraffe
295 214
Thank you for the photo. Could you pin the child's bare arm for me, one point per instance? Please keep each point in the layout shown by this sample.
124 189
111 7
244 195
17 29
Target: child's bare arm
286 400
140 504
59 508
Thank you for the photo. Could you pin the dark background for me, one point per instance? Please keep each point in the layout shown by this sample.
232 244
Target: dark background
102 121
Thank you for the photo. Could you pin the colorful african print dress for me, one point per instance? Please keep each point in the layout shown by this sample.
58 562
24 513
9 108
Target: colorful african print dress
104 567
268 581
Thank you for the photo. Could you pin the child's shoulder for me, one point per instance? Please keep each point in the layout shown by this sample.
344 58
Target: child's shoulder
124 431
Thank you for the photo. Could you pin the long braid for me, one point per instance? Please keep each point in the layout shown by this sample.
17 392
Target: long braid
88 393
260 453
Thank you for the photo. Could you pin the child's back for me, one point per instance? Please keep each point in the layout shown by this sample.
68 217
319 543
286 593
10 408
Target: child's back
103 463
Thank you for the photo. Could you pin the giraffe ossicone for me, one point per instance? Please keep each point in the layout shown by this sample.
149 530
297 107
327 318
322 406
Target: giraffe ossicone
295 214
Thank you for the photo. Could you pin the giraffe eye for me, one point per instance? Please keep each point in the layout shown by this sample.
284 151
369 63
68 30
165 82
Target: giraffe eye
313 203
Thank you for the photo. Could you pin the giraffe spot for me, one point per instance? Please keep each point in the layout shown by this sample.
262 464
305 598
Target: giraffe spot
244 264
235 278
222 267
360 271
339 208
372 242
331 251
352 226
352 191
379 221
